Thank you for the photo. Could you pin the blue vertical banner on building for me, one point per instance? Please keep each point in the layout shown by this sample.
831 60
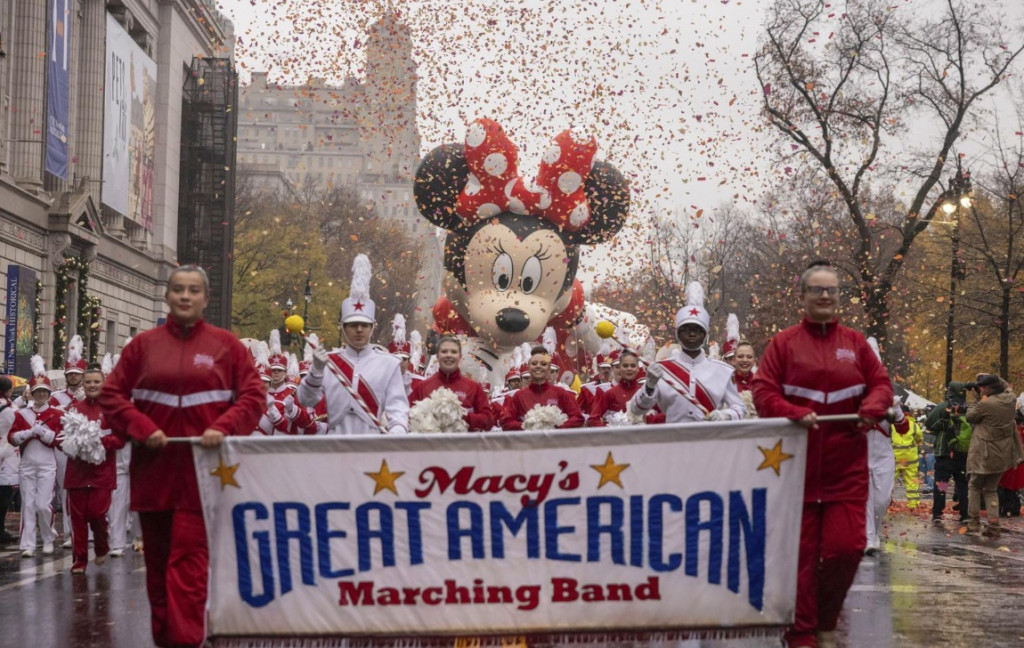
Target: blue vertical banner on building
20 314
58 88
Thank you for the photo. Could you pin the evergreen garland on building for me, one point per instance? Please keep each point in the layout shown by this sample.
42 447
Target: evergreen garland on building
36 325
74 269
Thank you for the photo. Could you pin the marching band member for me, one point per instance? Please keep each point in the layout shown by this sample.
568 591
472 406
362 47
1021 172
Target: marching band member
185 378
689 386
74 369
590 391
89 486
34 432
479 415
616 398
540 392
374 375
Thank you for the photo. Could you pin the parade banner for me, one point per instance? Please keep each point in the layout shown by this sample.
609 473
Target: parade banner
58 89
129 127
632 529
20 314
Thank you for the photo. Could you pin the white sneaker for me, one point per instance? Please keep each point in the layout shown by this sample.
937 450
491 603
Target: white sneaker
67 543
48 549
28 553
116 553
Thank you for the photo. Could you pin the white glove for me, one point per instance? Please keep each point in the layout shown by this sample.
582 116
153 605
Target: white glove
407 379
320 360
47 435
290 410
80 394
654 374
23 436
270 401
273 413
718 415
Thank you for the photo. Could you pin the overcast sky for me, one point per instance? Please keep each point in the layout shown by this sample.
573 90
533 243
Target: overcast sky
667 87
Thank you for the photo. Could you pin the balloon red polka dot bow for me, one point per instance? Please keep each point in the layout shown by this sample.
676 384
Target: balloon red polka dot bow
494 184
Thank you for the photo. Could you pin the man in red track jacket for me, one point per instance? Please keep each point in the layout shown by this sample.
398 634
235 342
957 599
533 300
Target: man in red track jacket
186 378
540 392
820 367
479 415
89 486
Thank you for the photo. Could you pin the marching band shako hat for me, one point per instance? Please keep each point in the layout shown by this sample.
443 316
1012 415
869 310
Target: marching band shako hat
75 363
399 346
39 379
358 307
732 336
693 312
604 357
277 359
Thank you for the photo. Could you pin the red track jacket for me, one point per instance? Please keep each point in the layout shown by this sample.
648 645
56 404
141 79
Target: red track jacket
480 417
525 399
82 474
182 382
827 369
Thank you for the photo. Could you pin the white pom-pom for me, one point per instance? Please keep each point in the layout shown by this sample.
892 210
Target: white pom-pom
38 365
275 342
748 401
82 438
439 412
544 417
359 289
695 294
398 328
75 347
621 419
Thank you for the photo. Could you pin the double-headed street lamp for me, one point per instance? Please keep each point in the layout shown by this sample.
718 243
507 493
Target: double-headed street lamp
959 195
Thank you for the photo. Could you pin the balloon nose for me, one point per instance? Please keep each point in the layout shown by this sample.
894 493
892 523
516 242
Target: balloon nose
512 320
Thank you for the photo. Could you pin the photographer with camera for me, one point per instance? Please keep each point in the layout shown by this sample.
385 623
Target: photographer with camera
995 448
952 440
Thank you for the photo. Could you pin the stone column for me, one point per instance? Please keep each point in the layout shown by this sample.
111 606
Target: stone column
28 92
87 144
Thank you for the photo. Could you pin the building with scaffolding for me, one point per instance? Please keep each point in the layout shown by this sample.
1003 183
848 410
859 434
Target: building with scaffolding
116 165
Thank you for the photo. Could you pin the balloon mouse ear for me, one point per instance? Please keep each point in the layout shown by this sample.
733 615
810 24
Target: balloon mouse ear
608 199
440 179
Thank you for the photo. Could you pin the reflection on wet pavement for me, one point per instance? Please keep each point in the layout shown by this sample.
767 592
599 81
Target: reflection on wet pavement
930 587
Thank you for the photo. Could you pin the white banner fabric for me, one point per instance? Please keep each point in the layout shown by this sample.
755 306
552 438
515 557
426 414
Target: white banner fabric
622 529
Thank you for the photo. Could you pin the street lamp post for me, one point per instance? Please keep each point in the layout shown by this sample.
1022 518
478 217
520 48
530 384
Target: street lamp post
959 196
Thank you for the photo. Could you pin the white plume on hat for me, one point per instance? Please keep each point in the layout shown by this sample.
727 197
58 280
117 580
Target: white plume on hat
107 365
275 342
550 339
38 365
262 354
75 347
648 351
732 327
517 358
416 349
293 366
358 307
693 312
307 350
398 328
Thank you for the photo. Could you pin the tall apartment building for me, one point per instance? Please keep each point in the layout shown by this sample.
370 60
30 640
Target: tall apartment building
361 133
100 103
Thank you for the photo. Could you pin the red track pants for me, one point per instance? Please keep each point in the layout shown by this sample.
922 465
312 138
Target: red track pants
832 541
177 570
89 508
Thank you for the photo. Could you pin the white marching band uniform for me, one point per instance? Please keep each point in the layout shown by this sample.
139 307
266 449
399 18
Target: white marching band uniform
714 375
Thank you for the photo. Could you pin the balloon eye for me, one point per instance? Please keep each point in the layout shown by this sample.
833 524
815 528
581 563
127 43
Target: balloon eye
501 273
531 275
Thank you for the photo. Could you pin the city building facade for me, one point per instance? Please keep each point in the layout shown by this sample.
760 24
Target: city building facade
100 103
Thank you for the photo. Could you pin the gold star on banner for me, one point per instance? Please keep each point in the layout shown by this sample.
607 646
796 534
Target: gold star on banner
226 474
610 471
384 478
774 457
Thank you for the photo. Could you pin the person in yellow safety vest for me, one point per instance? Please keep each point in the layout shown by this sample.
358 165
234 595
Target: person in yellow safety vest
904 447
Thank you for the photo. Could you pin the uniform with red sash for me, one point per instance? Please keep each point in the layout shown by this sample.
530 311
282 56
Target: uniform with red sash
377 377
708 384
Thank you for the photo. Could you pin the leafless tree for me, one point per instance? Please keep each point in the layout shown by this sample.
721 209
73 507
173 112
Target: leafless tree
843 85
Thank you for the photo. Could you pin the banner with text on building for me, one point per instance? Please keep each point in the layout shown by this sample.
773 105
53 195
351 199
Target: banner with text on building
626 529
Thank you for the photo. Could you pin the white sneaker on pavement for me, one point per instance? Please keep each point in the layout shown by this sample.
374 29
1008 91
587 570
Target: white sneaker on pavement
48 549
28 553
116 553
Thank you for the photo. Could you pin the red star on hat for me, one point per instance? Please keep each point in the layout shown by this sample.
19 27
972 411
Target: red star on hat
358 306
694 311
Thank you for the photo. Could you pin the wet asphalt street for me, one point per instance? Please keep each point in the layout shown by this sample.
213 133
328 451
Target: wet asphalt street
931 586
